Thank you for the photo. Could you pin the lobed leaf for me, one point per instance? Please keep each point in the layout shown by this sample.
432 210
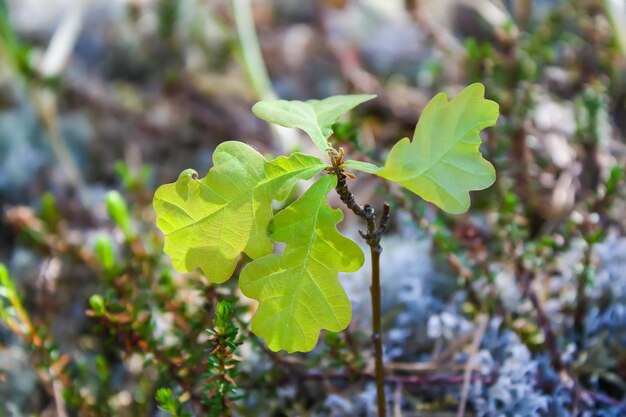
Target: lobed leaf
295 114
330 109
443 162
299 291
208 222
362 166
315 117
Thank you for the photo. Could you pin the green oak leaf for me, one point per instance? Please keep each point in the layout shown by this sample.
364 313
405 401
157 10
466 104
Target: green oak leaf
443 162
330 109
315 117
295 114
362 166
208 222
299 291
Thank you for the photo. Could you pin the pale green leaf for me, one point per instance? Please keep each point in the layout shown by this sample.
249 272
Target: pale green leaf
330 109
315 117
443 162
299 291
208 222
296 114
362 166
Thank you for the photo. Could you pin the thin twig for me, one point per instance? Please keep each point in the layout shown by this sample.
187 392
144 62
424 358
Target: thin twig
526 278
467 375
372 237
437 34
377 337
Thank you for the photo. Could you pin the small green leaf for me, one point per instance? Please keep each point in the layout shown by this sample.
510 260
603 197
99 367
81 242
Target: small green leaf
164 396
208 222
4 291
170 404
223 316
615 176
443 162
4 275
97 305
299 292
49 211
118 210
315 117
362 166
103 249
7 286
330 109
295 114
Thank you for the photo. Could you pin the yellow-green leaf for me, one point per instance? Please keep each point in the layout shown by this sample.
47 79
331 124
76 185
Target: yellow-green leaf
299 291
330 109
295 114
362 166
443 162
208 222
315 117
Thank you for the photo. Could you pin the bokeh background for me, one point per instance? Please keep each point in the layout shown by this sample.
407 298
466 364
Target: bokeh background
515 309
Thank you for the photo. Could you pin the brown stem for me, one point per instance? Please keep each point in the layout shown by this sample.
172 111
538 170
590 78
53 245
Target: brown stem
377 336
543 322
372 237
